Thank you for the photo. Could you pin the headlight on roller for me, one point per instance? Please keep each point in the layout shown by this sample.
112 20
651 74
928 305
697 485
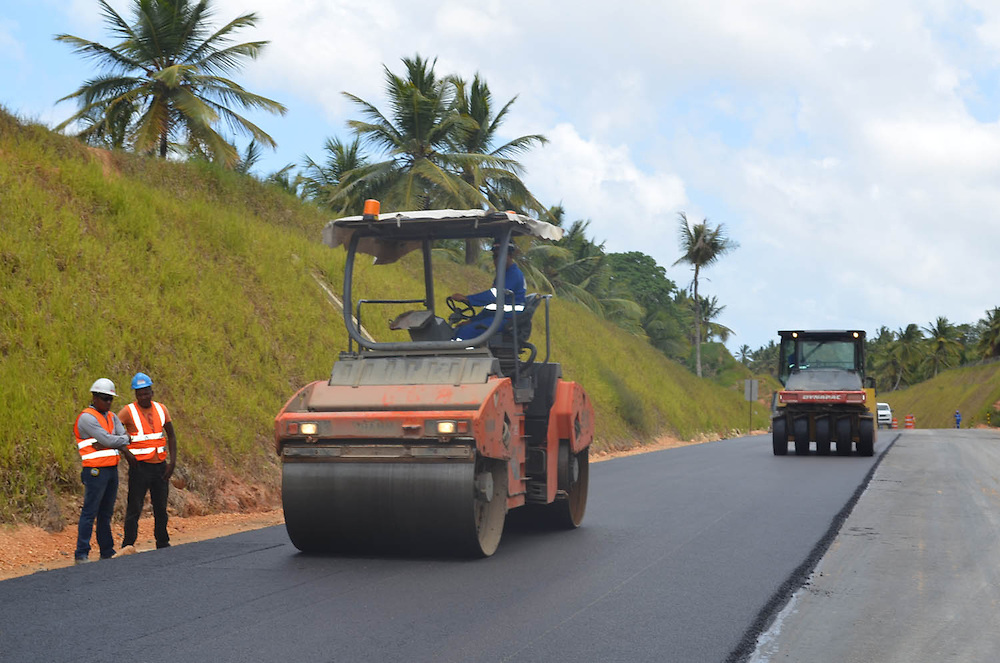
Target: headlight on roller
448 427
308 428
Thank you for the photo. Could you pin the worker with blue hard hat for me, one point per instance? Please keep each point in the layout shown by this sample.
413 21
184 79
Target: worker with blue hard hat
513 281
141 380
154 446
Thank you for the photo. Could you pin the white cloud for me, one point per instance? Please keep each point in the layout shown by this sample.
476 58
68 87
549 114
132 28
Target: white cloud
628 207
960 147
832 138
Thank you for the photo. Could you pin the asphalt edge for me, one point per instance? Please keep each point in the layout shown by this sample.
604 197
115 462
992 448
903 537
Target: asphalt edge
748 643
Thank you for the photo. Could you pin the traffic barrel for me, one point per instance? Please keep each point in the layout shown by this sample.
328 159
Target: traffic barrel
895 422
910 421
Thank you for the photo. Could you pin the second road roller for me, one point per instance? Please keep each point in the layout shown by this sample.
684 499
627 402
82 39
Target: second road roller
422 444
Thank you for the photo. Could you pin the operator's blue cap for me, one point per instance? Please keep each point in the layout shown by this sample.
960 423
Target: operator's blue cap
141 380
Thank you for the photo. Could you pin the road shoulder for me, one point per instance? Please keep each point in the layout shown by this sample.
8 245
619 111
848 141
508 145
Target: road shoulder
912 574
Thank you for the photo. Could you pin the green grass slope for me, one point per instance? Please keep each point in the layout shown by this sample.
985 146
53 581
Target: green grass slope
973 390
206 280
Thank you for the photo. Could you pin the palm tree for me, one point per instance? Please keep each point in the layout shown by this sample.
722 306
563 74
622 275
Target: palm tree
906 352
989 335
165 76
710 310
500 179
437 142
322 182
248 159
421 170
944 346
110 129
286 179
744 354
702 245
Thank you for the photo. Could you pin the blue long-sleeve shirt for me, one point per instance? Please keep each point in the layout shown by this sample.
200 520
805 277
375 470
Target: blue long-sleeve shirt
513 281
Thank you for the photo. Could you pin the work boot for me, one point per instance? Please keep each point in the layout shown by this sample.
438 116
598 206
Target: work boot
127 550
82 560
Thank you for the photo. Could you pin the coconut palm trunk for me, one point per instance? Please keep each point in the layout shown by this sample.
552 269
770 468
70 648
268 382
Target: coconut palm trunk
703 245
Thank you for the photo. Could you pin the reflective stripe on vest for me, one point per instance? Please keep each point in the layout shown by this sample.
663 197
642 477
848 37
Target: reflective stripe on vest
507 307
90 456
146 451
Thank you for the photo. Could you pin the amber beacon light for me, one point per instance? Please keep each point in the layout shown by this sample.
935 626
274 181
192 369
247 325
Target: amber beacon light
371 210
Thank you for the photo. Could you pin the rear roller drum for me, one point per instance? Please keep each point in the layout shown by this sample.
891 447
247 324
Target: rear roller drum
779 436
575 480
566 512
823 436
844 437
801 436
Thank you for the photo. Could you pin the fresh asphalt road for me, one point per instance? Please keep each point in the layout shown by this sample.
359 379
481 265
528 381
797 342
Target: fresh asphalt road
913 575
682 555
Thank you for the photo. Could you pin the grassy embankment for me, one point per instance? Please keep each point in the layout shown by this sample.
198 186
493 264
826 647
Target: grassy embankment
115 263
972 390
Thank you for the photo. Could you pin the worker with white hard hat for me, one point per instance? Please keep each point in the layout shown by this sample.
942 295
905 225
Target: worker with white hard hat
101 440
152 431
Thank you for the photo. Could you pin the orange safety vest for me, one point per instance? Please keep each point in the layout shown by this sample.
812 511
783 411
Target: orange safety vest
148 445
91 456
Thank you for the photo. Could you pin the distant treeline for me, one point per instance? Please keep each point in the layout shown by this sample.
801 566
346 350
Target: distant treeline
911 354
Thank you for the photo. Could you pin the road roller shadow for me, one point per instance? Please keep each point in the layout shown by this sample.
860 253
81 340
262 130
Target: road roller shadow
533 521
523 525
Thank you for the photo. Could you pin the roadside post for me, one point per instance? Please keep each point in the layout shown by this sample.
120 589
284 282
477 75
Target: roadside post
750 394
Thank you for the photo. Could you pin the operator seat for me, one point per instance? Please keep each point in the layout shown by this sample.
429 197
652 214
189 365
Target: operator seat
502 344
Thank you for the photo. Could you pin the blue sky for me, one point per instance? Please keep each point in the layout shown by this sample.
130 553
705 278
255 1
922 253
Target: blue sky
851 148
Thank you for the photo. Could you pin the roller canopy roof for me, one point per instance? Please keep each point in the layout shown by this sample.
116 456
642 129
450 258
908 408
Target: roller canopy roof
394 234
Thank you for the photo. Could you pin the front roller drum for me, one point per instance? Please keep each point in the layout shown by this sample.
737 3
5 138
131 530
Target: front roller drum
396 507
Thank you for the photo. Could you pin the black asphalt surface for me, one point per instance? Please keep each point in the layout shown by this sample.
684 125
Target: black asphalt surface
683 556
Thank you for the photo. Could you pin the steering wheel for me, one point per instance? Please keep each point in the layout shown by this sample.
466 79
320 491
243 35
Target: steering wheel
460 311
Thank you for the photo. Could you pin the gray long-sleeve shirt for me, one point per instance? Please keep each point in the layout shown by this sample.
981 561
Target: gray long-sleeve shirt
90 427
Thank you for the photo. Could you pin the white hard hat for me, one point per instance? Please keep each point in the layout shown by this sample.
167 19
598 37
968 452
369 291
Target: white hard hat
103 386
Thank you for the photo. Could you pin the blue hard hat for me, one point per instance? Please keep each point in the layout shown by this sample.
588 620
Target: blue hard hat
141 380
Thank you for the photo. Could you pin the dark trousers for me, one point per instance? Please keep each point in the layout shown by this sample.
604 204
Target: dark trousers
142 478
100 491
476 325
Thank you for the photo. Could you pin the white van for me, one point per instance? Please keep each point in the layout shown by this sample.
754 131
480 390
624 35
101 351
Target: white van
883 415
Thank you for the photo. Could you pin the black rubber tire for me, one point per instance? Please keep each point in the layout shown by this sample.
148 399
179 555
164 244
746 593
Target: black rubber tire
866 435
779 436
823 436
801 436
844 436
